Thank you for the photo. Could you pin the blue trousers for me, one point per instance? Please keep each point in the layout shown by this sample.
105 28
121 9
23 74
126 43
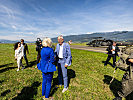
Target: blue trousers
46 84
62 70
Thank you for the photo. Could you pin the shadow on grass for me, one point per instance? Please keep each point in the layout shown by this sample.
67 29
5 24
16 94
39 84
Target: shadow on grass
5 65
115 86
1 81
71 74
108 63
28 93
5 92
31 63
53 87
6 69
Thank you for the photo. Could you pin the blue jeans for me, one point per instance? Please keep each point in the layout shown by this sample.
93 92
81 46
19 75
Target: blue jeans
46 84
62 70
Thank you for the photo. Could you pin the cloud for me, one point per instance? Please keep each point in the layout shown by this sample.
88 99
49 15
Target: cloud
38 19
29 33
89 33
14 27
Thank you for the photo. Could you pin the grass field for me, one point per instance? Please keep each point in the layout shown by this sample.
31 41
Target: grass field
81 44
88 77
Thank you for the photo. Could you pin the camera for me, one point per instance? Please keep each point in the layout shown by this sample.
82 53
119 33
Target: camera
38 41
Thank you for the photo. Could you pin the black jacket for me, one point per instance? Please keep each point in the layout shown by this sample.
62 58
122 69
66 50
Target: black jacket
110 48
38 49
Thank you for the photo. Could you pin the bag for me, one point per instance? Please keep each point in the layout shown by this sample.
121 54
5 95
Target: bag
121 64
127 88
127 50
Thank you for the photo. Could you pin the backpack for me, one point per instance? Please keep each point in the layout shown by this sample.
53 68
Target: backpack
123 62
127 86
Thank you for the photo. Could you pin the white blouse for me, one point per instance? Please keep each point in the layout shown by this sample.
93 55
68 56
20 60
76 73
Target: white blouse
19 53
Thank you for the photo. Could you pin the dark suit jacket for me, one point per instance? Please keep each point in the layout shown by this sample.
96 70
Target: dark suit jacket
110 48
25 48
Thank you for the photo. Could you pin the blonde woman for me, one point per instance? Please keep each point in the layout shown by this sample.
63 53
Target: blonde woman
46 66
19 53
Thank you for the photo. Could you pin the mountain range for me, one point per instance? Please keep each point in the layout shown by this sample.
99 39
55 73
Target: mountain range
116 36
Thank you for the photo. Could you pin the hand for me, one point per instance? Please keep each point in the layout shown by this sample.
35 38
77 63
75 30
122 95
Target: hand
131 60
112 50
66 65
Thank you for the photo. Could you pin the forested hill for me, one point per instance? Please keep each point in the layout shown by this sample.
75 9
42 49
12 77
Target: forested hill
117 36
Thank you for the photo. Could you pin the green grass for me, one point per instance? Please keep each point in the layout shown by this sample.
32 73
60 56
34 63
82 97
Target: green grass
88 78
81 44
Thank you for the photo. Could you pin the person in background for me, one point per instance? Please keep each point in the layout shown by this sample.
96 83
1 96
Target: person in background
112 52
19 53
70 42
38 49
25 50
63 53
46 66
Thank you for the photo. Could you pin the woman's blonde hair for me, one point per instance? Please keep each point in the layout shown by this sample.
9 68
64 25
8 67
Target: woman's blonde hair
47 42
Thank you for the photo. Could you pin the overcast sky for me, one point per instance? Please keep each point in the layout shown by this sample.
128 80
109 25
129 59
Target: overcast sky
30 19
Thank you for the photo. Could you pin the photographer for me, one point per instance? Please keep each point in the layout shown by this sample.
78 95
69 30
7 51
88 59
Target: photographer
38 49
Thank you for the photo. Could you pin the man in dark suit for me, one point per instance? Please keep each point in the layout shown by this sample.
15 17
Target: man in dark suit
38 49
112 52
25 49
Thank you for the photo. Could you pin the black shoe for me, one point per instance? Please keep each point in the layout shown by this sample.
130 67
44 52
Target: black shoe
113 66
117 98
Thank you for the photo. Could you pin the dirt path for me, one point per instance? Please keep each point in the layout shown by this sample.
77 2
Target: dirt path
95 49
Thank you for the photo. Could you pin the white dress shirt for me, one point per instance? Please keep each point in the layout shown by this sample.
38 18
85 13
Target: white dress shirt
113 47
61 51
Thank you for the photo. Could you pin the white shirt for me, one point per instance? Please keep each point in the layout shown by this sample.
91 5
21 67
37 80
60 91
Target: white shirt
61 51
19 53
113 47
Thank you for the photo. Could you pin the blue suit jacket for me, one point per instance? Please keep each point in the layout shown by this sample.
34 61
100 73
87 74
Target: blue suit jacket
47 58
67 58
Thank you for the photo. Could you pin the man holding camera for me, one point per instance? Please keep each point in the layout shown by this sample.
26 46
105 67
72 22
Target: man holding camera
25 50
38 49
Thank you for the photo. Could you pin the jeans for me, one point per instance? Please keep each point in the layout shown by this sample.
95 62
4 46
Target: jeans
62 70
46 84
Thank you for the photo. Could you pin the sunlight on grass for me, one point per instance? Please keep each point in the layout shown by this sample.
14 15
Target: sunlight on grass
86 77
